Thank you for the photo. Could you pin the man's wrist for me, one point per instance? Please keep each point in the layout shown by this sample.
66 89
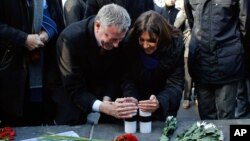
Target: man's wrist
96 106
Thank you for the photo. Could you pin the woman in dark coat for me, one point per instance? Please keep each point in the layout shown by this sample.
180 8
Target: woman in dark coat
154 73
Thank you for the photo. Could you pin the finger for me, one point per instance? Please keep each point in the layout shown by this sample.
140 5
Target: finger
41 44
148 109
144 101
152 97
152 104
127 114
127 110
131 99
119 100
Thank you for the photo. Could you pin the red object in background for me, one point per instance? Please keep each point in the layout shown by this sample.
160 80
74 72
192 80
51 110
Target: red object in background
7 133
126 137
35 55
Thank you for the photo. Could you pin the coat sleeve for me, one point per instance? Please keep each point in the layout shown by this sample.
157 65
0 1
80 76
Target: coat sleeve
12 35
170 97
73 76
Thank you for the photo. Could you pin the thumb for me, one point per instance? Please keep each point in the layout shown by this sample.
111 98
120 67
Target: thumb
152 97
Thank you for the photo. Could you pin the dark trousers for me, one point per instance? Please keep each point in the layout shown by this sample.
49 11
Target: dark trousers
217 101
242 101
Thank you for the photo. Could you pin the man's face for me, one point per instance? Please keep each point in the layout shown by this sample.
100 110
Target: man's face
109 37
170 2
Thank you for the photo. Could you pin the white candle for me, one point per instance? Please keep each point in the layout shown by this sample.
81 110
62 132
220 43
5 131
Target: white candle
145 126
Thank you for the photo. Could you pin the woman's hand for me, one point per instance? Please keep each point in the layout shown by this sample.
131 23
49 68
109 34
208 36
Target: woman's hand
150 105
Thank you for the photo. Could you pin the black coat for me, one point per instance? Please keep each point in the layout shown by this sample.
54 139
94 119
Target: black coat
216 49
87 75
15 25
166 81
134 7
169 13
247 42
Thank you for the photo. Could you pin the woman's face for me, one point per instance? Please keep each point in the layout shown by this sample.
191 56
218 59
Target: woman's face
148 44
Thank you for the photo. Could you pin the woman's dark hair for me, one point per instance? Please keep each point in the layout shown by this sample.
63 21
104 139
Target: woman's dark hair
154 24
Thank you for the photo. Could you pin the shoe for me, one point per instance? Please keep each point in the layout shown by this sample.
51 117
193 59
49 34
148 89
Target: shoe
185 104
196 102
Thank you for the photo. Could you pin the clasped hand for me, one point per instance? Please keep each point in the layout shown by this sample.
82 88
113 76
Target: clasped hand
127 107
122 107
35 41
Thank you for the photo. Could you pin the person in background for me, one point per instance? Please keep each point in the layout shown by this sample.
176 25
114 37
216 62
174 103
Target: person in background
215 60
243 99
247 45
89 59
28 67
134 7
74 11
182 22
154 66
168 11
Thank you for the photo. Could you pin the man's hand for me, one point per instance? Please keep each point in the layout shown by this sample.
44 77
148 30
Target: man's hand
33 42
150 105
44 36
119 109
106 98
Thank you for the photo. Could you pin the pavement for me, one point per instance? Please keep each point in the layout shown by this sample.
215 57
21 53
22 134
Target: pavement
192 113
188 114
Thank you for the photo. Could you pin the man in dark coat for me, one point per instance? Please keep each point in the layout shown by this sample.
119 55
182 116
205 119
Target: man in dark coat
216 61
89 58
18 44
168 11
134 7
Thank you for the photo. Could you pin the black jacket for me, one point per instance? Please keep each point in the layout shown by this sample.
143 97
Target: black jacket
169 13
87 75
216 50
247 42
15 25
166 81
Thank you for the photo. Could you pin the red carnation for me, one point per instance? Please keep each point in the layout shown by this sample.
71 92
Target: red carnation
126 137
7 133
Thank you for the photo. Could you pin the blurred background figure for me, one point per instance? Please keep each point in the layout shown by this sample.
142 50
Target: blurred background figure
168 11
181 22
134 7
159 3
74 11
28 67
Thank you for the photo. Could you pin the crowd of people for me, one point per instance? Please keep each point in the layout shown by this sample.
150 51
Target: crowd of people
59 62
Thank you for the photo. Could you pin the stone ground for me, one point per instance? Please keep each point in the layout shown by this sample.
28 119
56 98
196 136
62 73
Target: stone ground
192 113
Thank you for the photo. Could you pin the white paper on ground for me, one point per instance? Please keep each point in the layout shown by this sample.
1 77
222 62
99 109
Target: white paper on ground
68 133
